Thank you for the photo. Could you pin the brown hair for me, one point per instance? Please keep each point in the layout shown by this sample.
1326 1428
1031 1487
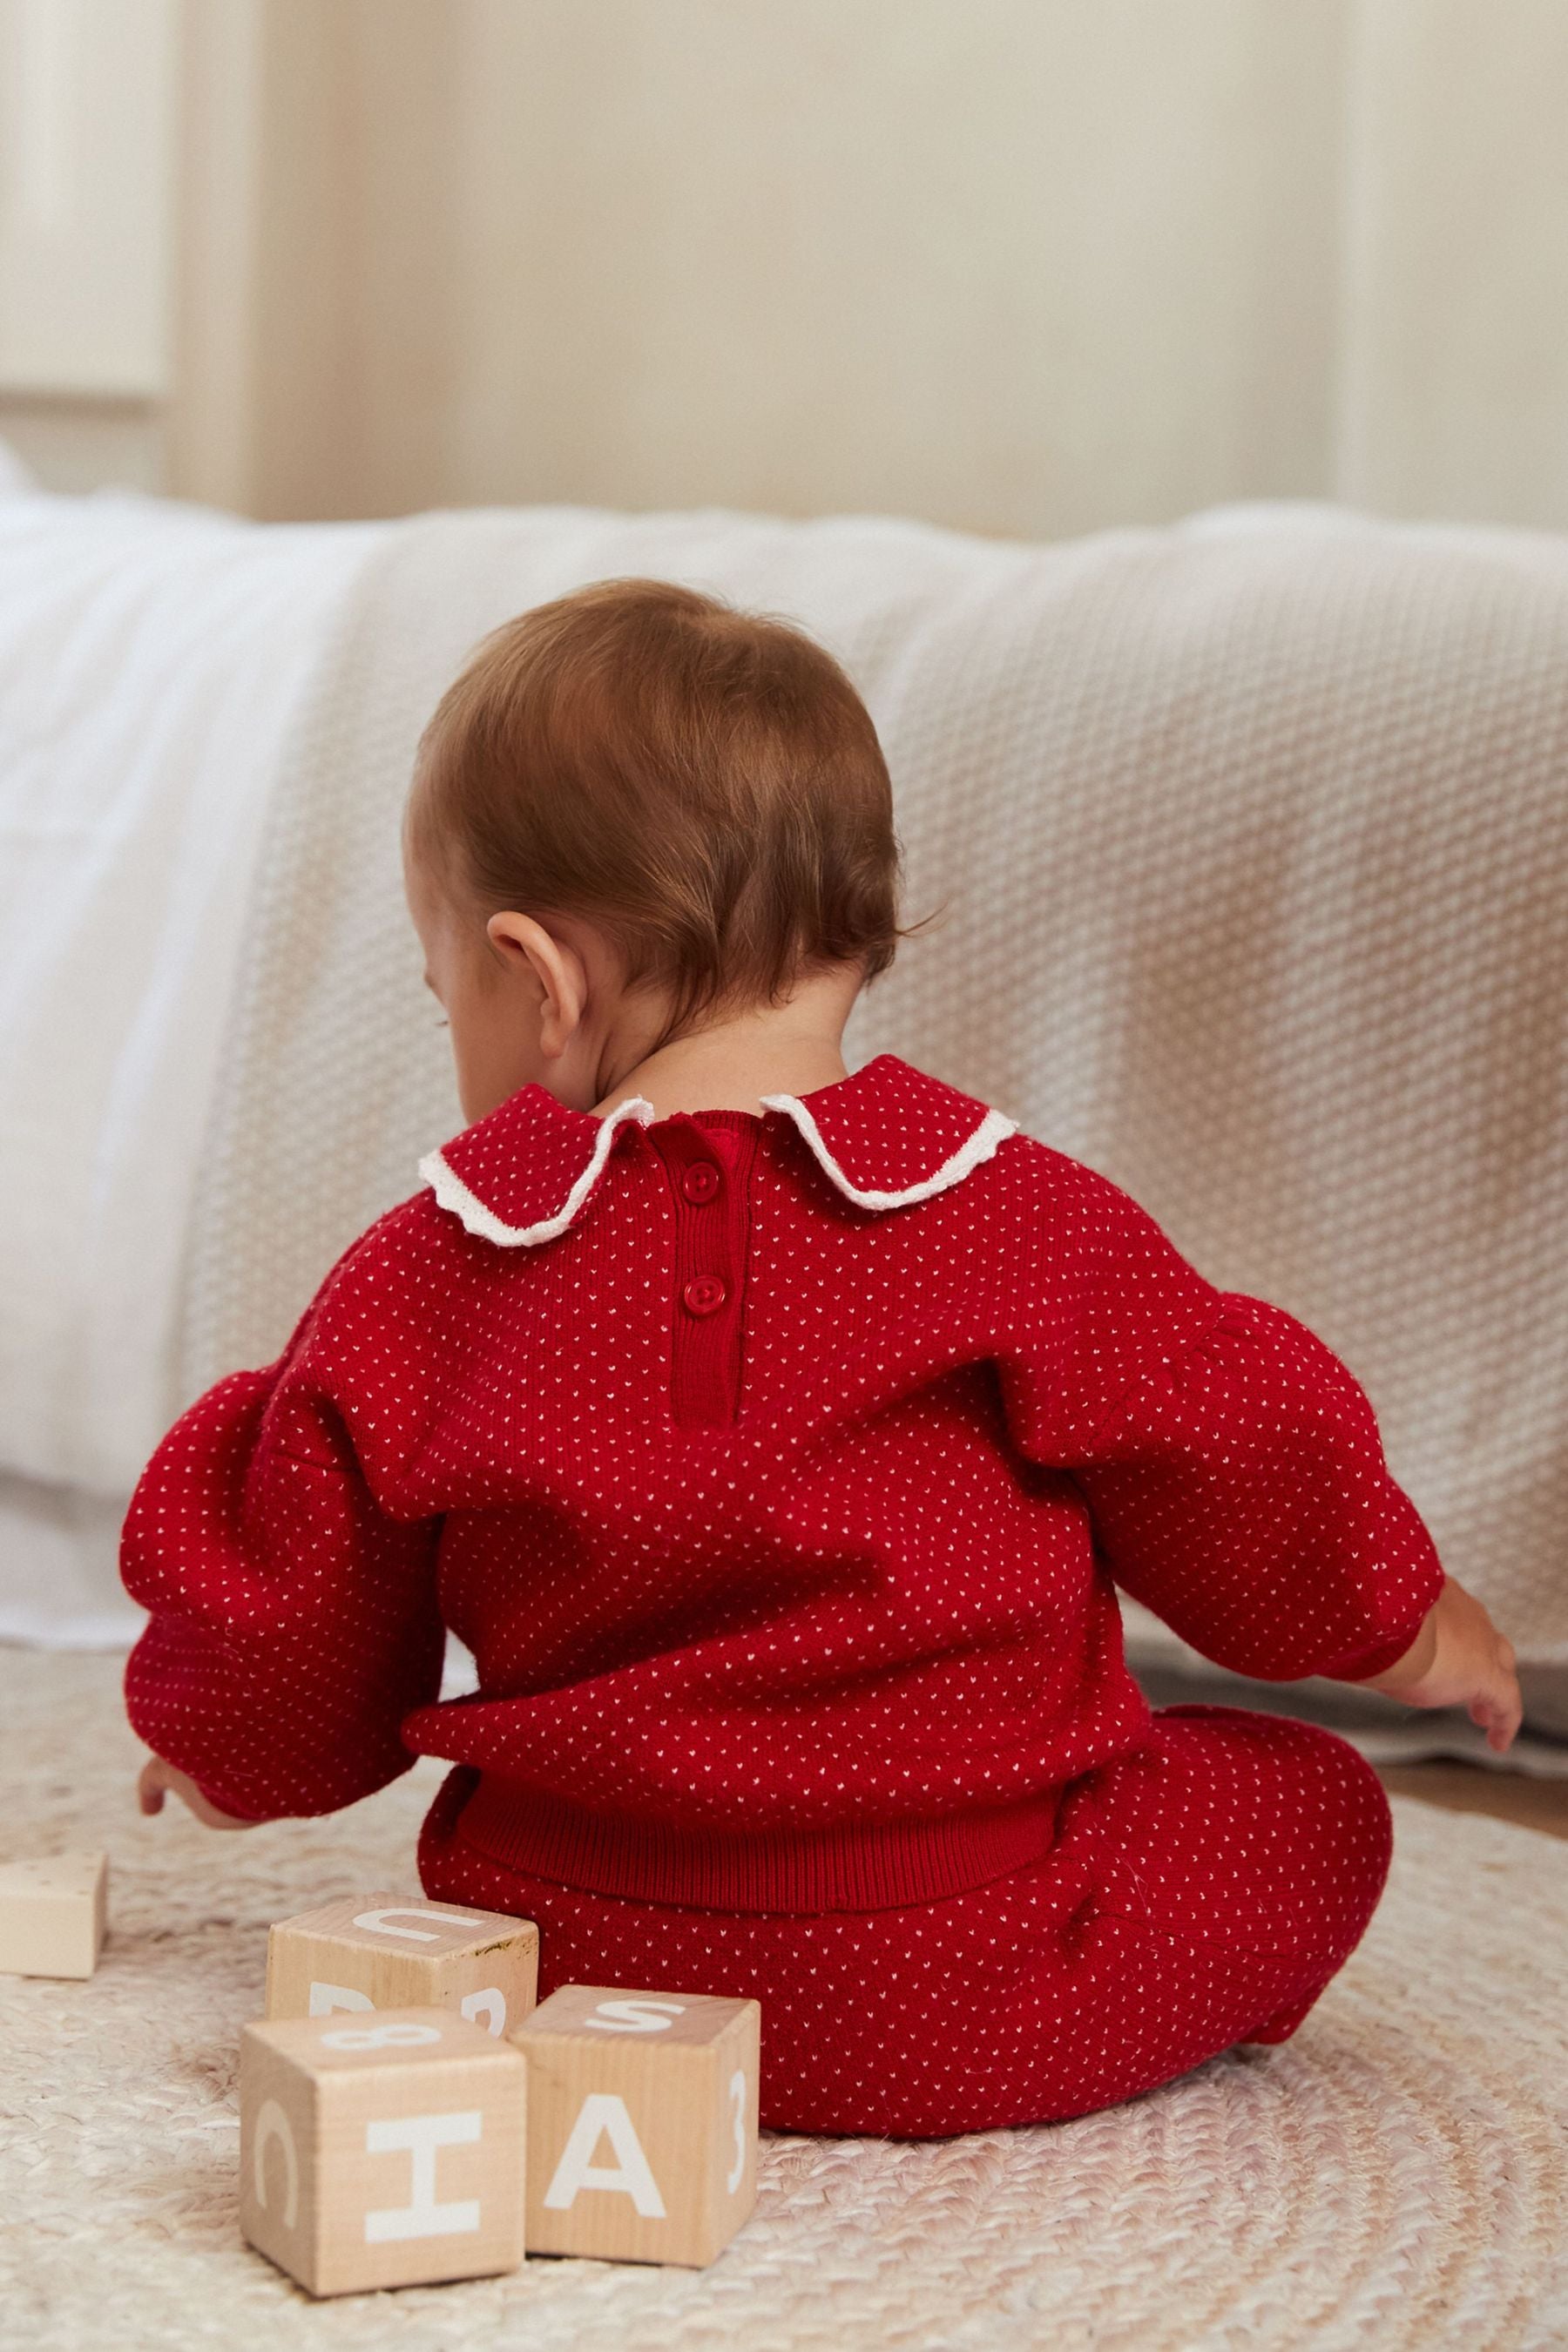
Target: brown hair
704 784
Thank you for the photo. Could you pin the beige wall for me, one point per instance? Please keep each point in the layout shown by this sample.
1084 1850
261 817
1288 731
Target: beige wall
88 107
1454 361
1020 265
75 444
87 96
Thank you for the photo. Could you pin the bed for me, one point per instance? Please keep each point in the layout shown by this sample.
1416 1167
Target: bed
1250 833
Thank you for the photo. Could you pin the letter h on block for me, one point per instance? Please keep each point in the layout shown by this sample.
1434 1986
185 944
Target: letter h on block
382 2151
397 1951
642 2123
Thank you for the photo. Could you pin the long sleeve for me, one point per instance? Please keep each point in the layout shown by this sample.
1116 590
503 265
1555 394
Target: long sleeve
294 1622
1231 1464
1242 1493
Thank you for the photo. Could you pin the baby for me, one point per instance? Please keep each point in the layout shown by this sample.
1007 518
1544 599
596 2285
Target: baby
775 1437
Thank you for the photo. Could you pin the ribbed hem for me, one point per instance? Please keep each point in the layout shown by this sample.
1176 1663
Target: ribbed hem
855 1867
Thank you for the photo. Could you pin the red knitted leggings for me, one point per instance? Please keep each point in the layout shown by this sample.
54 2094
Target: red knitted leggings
1202 1891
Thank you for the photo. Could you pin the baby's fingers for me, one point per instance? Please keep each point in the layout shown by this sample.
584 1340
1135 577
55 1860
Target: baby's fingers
1500 1715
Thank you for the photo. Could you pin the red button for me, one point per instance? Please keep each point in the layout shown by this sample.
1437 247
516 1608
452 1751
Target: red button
705 1294
701 1180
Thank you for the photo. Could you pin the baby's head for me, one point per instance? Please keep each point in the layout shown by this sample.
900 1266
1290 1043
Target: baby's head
637 813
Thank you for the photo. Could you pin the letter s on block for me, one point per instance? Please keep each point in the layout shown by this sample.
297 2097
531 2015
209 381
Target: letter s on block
634 2016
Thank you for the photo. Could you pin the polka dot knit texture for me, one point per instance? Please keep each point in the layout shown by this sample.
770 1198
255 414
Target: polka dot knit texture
778 1467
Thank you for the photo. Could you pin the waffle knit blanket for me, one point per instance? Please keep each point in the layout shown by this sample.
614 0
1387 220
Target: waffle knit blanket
1248 832
1250 837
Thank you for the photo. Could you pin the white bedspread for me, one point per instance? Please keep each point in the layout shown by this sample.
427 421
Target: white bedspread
152 662
1251 832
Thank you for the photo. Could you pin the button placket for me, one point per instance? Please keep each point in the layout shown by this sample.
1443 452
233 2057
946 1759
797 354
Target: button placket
708 1171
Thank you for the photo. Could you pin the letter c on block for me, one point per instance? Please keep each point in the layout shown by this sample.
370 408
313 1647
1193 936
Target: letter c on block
272 2123
374 1922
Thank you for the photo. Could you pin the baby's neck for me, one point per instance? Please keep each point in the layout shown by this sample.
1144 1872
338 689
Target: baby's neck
790 1050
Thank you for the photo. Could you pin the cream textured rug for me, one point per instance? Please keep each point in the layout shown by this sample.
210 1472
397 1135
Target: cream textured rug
1393 2176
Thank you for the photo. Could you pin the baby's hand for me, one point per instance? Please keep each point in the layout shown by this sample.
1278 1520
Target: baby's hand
1460 1659
157 1775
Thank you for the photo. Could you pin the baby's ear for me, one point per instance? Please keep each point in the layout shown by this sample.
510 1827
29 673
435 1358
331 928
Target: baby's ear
559 974
514 938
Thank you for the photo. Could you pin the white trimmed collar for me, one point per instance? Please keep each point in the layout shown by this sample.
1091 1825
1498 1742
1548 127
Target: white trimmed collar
887 1135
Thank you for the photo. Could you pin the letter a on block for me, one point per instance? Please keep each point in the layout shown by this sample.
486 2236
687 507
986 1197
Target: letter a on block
671 2081
603 2113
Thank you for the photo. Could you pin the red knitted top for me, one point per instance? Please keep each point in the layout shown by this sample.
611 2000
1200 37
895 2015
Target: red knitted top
775 1466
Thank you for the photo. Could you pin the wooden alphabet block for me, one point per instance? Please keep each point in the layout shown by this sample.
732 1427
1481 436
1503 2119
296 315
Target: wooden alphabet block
398 1951
52 1914
642 2123
384 2150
